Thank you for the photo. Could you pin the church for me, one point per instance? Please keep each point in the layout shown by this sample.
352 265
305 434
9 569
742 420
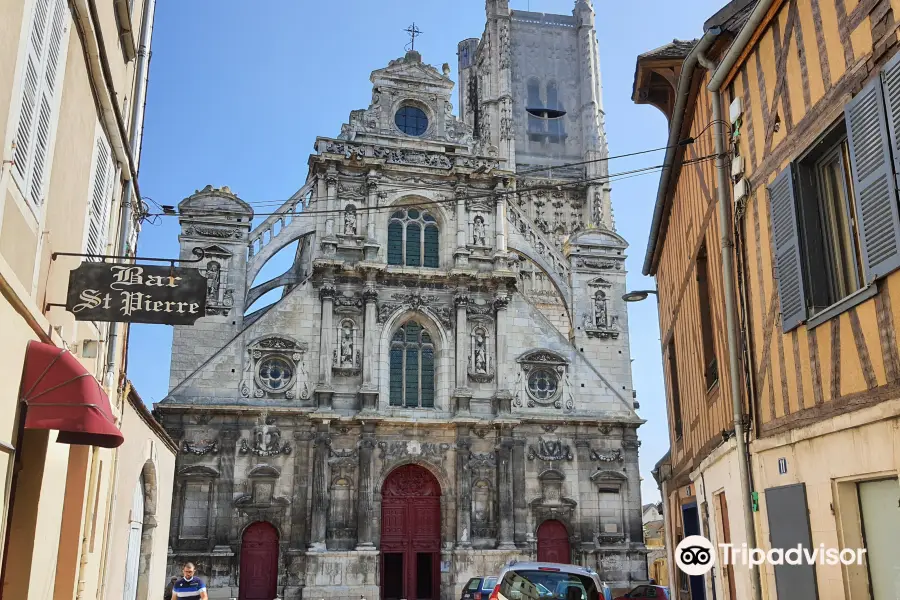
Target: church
443 384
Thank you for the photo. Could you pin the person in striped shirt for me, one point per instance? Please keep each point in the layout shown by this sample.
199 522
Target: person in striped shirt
189 587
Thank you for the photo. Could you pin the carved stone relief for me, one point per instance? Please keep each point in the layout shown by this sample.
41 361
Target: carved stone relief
394 450
275 368
416 301
550 450
201 447
265 440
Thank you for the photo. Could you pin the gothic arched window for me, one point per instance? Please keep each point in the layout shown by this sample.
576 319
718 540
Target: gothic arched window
412 367
555 112
413 239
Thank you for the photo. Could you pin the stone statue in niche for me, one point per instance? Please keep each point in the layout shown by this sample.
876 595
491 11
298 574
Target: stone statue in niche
480 352
213 271
346 345
479 231
601 312
350 221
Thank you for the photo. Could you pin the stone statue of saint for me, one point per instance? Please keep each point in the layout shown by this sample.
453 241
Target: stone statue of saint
480 353
213 271
346 346
600 313
478 227
350 222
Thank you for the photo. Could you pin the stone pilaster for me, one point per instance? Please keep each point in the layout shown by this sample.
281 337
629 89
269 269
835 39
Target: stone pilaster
500 218
587 521
634 527
505 491
463 489
331 187
225 488
369 390
462 393
503 395
373 195
324 391
300 491
461 255
365 512
321 451
520 504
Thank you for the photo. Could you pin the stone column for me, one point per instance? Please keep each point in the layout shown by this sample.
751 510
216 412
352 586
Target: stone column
504 397
300 490
225 490
321 451
500 224
634 527
369 388
463 487
365 511
589 519
463 394
461 255
520 505
326 338
331 184
505 490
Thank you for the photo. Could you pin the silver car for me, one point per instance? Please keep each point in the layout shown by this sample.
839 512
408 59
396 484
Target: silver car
549 581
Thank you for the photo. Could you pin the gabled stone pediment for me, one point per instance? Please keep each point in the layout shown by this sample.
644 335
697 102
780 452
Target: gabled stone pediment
216 251
599 282
222 201
598 237
410 68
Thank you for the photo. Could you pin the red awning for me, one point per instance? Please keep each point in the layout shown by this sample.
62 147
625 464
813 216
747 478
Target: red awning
60 394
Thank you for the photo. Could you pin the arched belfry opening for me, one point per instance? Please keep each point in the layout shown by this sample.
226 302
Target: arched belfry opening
410 534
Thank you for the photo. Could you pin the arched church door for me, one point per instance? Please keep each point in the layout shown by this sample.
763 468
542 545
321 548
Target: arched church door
410 535
259 562
553 543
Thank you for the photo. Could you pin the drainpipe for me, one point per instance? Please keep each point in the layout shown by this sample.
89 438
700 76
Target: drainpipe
88 522
723 184
135 135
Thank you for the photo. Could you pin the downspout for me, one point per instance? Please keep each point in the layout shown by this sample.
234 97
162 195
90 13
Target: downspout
723 184
135 133
89 517
672 145
111 501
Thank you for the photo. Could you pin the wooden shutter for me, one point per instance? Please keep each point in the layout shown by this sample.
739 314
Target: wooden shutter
101 192
873 181
787 250
43 61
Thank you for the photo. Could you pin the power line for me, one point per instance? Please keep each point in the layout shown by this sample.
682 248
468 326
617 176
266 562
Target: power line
490 194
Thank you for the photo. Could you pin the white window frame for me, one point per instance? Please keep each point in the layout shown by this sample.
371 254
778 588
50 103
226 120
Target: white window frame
24 178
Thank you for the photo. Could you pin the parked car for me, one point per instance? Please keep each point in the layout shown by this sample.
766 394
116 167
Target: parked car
478 588
647 591
549 581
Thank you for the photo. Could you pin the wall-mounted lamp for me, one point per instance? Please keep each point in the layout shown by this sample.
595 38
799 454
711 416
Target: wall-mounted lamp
638 295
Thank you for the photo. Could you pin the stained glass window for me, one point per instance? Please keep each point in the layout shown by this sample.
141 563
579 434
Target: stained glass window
413 239
412 367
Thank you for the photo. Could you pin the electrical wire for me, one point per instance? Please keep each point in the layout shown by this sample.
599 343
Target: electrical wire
490 194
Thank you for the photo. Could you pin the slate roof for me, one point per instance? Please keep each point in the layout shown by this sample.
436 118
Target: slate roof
675 49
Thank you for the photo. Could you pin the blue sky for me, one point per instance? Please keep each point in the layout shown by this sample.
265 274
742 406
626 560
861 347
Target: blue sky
239 90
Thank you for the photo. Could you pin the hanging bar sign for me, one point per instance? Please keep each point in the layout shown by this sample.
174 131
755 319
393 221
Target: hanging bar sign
128 293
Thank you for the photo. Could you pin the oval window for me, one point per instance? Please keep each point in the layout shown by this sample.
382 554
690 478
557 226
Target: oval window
411 120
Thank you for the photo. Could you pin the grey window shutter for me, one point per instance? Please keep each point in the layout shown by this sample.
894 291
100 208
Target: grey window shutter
787 250
873 181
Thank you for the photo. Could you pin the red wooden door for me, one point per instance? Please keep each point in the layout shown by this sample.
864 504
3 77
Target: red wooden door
553 543
259 562
410 535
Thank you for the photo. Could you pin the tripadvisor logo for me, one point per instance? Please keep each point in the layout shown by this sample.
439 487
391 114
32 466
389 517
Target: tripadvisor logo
696 555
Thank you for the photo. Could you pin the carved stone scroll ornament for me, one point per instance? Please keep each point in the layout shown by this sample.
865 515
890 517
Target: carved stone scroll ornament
486 460
416 301
200 448
550 450
600 265
216 232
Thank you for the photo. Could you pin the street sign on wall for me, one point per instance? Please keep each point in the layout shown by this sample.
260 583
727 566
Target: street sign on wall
128 293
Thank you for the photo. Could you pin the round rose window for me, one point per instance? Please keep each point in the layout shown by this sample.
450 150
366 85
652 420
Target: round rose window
543 384
275 374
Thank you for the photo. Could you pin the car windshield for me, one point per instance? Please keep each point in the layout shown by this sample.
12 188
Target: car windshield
548 585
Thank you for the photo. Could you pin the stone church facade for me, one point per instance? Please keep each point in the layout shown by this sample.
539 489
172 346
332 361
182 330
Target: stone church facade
444 382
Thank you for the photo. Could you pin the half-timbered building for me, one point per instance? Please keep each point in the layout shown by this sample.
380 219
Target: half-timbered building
810 105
